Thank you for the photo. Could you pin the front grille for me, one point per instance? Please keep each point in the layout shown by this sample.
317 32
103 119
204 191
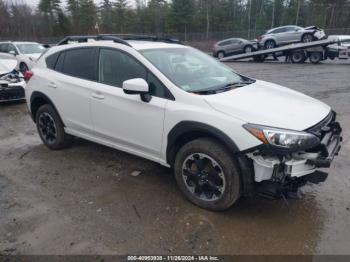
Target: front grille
12 93
322 127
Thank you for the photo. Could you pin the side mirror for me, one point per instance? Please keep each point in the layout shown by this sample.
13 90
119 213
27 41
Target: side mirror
12 53
137 86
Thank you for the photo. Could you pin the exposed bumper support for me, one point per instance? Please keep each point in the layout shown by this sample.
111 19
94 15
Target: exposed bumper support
279 175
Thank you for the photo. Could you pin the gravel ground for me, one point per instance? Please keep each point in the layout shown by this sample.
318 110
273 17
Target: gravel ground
87 199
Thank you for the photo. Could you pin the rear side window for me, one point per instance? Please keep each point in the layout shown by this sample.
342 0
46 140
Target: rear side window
279 30
51 60
228 42
59 63
80 62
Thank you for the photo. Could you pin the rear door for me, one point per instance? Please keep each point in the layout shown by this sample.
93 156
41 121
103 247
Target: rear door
69 84
125 120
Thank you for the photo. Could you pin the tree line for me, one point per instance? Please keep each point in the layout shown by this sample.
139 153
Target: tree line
56 18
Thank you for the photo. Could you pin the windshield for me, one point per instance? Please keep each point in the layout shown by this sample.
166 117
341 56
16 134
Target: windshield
30 48
192 70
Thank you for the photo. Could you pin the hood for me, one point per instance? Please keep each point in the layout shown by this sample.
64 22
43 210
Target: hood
271 105
7 65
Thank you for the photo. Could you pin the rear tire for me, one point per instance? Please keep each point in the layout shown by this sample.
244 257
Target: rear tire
51 128
298 57
315 57
207 174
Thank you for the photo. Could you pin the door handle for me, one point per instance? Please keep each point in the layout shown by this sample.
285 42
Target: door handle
52 85
98 95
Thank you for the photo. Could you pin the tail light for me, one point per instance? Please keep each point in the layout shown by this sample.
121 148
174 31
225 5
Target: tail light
28 75
259 38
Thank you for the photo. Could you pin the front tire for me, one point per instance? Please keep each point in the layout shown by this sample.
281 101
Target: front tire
51 128
307 38
207 174
221 55
23 68
269 44
248 49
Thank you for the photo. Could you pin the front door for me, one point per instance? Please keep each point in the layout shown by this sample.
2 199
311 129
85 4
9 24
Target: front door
123 120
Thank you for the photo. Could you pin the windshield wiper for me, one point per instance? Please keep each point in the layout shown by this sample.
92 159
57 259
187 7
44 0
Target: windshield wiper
226 87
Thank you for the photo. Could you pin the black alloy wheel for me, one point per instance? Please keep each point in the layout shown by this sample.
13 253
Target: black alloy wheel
203 176
47 128
51 128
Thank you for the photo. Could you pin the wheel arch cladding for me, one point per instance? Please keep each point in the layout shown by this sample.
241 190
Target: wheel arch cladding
38 99
187 131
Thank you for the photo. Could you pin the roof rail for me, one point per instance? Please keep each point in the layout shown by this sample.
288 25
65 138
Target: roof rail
153 38
84 39
121 39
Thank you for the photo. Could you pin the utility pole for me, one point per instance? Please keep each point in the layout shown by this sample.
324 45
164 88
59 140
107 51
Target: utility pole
273 14
298 11
208 19
249 16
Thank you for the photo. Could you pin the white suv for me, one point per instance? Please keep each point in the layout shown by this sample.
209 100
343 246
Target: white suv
224 134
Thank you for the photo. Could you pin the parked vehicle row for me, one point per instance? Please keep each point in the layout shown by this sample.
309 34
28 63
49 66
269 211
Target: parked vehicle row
225 135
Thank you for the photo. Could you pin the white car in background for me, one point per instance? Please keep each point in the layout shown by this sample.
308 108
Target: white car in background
26 53
284 35
12 83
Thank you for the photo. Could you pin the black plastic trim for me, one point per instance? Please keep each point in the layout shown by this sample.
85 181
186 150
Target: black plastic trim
37 94
190 126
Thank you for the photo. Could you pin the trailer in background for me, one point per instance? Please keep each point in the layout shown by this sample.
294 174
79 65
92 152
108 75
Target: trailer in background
315 51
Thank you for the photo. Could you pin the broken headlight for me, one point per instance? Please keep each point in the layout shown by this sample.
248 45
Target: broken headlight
283 138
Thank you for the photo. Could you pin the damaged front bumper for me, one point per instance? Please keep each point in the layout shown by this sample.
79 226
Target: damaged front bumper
281 175
11 87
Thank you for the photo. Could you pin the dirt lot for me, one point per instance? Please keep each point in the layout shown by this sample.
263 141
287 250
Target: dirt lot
84 200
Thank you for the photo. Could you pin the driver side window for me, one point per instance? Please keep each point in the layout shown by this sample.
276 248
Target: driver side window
115 67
